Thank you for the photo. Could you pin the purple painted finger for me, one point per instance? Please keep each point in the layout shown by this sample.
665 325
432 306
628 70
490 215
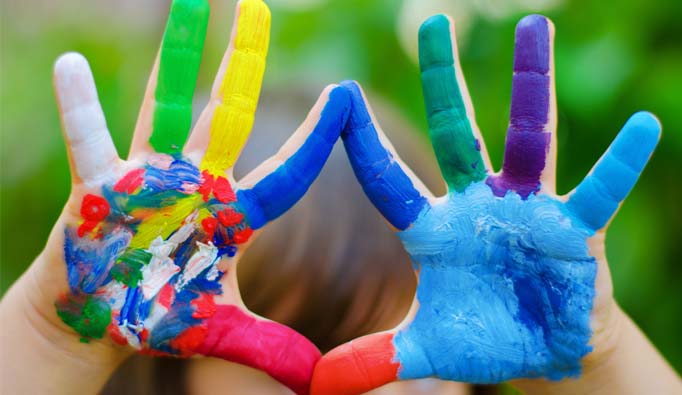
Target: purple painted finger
528 136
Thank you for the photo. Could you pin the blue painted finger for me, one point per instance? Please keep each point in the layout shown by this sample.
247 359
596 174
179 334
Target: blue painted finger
383 180
273 195
597 197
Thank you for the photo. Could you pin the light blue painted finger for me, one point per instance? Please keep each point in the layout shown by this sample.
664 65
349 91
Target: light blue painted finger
383 180
597 197
280 190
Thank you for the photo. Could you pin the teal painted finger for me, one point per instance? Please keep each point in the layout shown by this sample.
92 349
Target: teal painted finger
457 150
598 196
181 49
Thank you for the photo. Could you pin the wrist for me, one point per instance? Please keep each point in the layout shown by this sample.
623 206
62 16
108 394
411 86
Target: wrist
607 338
40 353
605 341
623 361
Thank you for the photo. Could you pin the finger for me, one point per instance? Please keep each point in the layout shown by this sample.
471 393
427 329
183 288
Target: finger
91 152
277 184
173 80
533 112
389 184
448 107
279 351
597 197
356 367
227 121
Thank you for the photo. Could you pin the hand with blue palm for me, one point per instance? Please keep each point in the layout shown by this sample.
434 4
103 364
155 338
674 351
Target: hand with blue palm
512 278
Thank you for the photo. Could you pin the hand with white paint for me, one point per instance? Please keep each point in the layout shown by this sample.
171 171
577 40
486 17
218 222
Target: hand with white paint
143 257
512 278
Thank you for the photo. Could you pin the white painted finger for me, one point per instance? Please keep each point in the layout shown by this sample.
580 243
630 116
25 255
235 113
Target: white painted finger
91 151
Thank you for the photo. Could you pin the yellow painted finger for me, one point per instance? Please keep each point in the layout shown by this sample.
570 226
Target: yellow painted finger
239 91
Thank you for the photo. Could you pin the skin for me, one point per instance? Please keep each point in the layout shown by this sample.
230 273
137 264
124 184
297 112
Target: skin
206 374
456 328
60 359
38 340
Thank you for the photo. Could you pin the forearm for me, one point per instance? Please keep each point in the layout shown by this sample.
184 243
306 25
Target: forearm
630 365
39 357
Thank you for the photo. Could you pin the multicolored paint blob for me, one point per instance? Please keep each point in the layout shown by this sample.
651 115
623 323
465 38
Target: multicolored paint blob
152 290
157 294
148 259
506 281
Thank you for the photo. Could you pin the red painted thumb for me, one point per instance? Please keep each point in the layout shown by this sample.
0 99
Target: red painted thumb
356 367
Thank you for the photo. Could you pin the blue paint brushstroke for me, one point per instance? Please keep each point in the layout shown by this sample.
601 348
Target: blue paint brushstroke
130 310
505 289
281 189
597 197
88 261
180 172
381 177
171 326
185 250
161 188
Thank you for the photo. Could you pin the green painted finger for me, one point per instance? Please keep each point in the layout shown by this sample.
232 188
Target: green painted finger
457 150
181 49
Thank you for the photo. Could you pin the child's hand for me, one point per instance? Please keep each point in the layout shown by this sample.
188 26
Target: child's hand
144 254
512 279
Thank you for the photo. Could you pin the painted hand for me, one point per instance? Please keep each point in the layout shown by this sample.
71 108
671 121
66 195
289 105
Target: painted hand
512 279
150 245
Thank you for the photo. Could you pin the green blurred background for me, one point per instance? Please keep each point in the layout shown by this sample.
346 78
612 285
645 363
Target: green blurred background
610 62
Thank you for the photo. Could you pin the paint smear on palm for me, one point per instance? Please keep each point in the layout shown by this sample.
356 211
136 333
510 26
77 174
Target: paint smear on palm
152 270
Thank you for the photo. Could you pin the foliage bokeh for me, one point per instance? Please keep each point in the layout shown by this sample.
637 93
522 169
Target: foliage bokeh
610 62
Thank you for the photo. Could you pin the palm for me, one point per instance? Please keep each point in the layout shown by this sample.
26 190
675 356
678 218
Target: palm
144 263
506 284
507 270
150 244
